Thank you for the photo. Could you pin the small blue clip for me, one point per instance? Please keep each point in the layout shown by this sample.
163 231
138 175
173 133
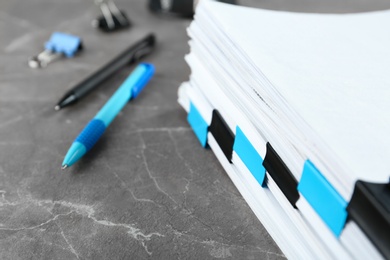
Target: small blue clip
64 43
59 44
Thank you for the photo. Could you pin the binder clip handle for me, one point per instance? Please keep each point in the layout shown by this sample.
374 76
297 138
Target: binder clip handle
60 44
42 59
112 19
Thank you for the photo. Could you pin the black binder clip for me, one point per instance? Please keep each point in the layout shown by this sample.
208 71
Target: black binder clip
112 19
60 44
179 8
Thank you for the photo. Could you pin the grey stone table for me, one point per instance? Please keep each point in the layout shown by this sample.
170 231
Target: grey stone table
147 189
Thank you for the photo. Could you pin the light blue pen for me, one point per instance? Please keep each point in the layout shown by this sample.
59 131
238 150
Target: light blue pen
129 89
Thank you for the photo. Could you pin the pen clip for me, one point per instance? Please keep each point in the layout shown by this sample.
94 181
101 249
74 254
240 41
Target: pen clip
142 51
146 71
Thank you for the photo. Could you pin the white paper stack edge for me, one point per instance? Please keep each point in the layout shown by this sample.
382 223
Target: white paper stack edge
295 107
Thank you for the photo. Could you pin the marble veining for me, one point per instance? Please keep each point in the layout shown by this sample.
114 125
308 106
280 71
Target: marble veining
147 190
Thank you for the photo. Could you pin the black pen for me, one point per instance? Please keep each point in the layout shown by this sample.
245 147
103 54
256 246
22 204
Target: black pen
129 56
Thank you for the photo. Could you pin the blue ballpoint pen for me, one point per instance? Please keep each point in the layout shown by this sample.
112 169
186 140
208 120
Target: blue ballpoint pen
129 89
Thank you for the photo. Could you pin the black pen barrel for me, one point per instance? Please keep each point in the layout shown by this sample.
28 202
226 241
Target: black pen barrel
128 56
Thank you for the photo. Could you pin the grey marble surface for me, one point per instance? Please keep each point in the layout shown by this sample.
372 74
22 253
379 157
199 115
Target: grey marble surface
147 189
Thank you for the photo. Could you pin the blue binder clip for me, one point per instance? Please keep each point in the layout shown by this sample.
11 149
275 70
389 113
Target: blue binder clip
60 44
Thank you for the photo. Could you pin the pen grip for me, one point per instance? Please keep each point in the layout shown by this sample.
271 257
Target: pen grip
91 133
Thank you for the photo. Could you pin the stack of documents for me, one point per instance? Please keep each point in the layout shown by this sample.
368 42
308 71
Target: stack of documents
296 107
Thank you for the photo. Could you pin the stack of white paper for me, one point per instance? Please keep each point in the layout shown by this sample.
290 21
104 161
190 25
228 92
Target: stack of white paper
296 108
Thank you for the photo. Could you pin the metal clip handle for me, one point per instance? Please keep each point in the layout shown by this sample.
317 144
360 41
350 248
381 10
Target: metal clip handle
42 59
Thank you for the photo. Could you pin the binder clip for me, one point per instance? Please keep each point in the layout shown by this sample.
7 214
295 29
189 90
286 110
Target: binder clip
60 44
112 19
178 8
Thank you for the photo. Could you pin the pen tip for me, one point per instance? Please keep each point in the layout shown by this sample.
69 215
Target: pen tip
64 167
57 107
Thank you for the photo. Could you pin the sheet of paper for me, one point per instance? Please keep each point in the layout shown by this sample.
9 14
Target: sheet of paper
338 87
